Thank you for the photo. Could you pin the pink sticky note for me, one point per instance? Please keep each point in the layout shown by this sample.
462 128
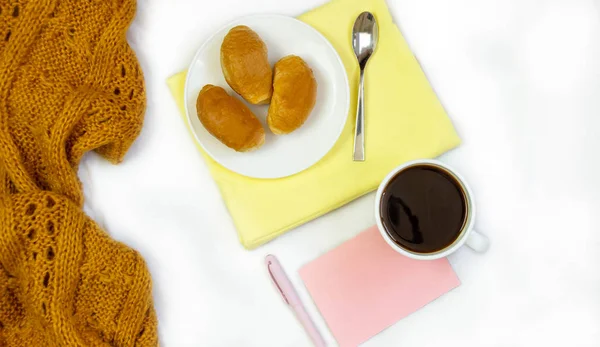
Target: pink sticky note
364 286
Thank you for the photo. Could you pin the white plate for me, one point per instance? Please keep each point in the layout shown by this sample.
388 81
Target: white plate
284 155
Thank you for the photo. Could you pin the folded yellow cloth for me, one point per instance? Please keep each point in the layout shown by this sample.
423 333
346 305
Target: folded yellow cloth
404 121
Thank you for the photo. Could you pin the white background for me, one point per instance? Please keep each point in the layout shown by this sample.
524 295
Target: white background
521 81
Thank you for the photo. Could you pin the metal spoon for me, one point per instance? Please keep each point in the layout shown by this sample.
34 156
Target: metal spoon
364 40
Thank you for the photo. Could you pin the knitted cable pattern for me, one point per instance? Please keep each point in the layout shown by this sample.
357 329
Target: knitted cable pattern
69 84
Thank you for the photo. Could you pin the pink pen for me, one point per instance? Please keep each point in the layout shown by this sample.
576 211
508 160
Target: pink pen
290 296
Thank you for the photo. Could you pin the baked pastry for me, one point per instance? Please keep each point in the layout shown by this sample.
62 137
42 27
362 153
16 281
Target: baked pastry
294 95
229 119
245 65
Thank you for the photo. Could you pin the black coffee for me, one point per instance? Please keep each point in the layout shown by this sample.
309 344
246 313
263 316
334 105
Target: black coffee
423 209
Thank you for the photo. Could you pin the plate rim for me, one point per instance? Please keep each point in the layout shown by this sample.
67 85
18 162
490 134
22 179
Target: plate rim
210 38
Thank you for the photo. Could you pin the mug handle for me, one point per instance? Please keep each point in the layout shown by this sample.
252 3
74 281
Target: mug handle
478 242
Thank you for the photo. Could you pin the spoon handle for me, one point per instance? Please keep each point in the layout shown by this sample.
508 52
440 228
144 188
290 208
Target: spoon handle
359 135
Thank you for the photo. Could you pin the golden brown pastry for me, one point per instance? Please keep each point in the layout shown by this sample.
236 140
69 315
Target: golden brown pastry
245 65
229 120
294 95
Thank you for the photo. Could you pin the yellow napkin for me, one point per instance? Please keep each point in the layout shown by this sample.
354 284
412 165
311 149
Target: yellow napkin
404 121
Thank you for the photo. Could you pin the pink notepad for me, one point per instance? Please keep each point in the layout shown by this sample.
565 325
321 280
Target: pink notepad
364 286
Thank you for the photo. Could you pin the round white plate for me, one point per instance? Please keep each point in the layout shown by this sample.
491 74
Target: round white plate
283 155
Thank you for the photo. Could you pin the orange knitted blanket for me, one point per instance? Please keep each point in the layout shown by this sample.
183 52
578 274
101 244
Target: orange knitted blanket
69 83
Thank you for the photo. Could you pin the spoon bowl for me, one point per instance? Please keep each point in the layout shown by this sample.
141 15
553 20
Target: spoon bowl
364 37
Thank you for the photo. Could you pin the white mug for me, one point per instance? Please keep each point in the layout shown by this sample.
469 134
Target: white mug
468 235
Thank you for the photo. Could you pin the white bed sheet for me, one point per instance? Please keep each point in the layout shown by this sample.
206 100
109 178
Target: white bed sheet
521 81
